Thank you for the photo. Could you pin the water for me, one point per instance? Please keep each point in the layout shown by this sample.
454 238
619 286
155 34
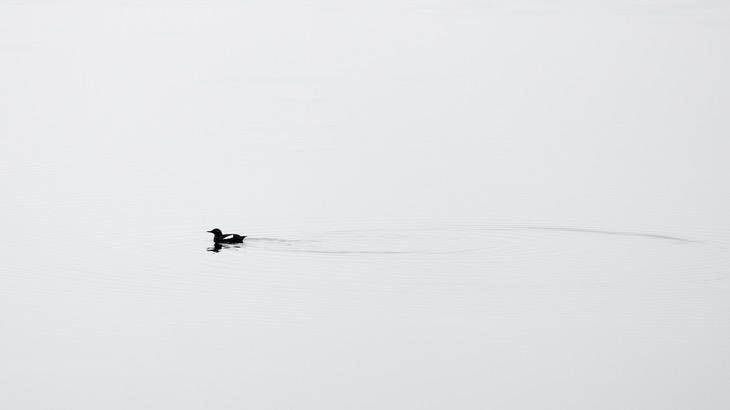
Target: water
448 204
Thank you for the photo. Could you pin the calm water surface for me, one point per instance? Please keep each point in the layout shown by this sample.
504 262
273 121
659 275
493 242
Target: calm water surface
448 205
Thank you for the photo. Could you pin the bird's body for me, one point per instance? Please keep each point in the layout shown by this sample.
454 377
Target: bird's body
220 237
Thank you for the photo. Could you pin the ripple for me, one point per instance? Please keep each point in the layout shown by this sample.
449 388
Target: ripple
605 232
456 239
650 256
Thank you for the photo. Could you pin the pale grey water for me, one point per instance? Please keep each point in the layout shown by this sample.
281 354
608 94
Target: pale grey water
449 205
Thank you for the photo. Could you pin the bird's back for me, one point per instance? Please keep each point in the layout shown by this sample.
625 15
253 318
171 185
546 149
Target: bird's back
232 238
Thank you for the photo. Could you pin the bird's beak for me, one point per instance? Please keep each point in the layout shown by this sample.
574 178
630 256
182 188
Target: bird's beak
209 231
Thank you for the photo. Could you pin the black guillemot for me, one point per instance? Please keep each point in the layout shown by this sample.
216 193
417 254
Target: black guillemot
220 237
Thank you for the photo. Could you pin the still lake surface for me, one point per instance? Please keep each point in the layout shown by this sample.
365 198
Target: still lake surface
448 205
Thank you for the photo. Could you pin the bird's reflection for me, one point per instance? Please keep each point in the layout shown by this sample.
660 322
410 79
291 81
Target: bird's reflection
218 246
215 248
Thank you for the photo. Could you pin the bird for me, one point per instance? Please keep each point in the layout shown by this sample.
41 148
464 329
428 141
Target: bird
220 237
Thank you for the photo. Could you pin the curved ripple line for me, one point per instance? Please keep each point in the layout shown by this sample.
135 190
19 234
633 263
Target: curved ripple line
607 232
460 237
